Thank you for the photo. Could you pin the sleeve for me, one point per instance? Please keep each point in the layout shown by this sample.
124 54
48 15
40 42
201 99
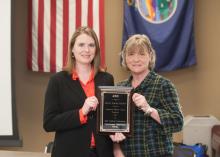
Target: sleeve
170 114
110 79
54 119
83 119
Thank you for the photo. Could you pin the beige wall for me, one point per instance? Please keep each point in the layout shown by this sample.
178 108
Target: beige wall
198 86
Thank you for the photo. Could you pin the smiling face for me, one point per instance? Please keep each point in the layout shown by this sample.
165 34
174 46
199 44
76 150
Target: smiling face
138 54
84 49
137 60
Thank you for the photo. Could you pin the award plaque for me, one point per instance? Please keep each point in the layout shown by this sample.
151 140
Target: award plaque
114 113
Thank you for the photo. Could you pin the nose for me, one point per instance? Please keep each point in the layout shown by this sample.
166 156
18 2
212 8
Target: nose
86 48
136 57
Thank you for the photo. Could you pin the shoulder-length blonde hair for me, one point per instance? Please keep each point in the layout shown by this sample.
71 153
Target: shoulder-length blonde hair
70 61
143 43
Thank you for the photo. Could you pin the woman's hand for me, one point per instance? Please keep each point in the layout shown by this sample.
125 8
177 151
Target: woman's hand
90 104
140 101
117 137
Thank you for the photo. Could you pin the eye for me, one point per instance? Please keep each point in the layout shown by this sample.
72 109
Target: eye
130 53
143 53
92 45
81 44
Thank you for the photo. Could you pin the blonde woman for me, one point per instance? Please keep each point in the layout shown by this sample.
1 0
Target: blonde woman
157 111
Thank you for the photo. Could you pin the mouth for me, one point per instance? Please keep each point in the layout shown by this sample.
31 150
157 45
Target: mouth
136 65
86 56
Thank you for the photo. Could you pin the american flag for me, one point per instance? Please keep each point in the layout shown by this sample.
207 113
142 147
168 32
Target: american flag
51 25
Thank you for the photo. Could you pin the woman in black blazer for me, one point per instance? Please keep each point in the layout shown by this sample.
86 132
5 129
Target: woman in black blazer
70 100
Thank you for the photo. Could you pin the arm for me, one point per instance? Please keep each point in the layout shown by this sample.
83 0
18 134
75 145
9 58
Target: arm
116 138
170 113
55 119
141 102
117 150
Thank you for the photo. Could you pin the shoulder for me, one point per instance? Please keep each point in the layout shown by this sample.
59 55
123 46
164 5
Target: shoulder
104 78
163 81
122 83
104 74
59 76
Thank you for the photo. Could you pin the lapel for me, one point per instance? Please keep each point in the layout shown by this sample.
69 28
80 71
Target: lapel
97 82
76 88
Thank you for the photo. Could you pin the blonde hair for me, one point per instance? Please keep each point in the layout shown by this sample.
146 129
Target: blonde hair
70 61
143 43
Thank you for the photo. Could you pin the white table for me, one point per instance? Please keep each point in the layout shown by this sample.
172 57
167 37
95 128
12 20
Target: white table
22 154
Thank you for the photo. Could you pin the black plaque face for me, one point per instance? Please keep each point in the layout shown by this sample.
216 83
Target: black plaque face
114 111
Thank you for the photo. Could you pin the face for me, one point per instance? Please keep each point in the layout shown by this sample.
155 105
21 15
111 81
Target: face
137 61
84 49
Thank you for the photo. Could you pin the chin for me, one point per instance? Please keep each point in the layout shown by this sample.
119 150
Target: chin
87 61
138 72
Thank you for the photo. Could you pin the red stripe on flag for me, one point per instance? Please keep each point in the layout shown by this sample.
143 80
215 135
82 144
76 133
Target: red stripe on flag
102 35
78 13
37 63
53 36
40 34
90 13
65 29
29 52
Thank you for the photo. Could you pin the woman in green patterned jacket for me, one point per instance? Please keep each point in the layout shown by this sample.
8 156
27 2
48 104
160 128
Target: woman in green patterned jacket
157 114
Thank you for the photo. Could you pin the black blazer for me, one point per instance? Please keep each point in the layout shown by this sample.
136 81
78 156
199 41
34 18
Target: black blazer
64 97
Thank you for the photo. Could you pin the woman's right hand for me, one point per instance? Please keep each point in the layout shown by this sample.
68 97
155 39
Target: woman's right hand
90 104
117 137
140 101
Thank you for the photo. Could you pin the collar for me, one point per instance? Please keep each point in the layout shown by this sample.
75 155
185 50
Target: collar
75 75
150 76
